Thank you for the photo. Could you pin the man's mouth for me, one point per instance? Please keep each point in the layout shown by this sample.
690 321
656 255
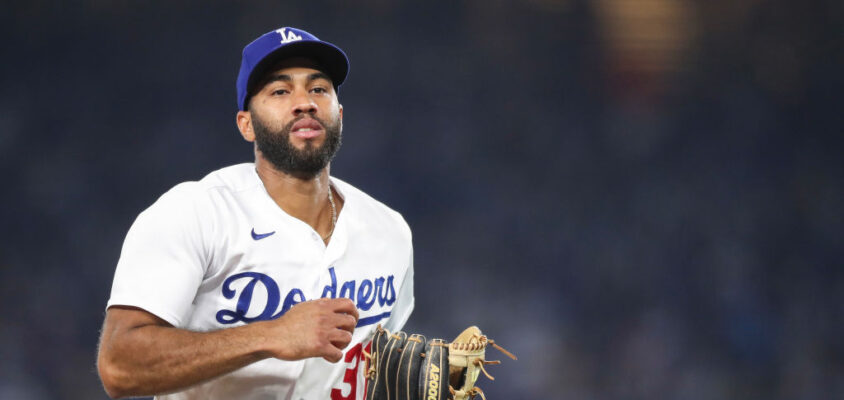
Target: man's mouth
306 128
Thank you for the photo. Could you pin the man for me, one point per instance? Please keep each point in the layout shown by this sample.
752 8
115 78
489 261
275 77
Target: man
264 280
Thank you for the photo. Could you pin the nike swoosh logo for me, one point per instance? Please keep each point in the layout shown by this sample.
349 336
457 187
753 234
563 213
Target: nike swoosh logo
259 236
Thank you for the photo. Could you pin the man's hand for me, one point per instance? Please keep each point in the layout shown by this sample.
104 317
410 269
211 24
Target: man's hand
317 328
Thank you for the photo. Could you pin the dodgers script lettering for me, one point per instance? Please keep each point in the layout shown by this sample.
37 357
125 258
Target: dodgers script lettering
366 294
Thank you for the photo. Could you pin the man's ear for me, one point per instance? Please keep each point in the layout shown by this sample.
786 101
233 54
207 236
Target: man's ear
244 125
341 112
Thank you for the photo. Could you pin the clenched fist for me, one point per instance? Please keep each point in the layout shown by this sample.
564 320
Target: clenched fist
316 328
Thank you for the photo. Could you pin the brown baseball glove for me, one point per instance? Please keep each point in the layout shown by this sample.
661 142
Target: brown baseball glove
413 368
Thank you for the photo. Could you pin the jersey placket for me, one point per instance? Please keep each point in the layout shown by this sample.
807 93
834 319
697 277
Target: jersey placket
333 252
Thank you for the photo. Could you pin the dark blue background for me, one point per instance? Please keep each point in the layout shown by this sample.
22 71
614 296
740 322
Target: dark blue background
629 232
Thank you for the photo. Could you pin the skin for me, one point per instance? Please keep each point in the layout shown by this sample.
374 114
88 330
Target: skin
141 354
280 102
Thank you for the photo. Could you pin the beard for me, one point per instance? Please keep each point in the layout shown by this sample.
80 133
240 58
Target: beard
304 164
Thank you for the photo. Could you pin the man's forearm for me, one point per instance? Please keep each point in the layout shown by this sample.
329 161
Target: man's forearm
155 359
141 354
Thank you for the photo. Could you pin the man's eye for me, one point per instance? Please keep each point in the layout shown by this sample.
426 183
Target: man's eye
319 90
280 91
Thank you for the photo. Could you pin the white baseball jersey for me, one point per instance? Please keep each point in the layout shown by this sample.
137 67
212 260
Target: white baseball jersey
220 252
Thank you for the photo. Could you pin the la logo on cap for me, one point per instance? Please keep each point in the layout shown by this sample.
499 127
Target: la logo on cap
287 37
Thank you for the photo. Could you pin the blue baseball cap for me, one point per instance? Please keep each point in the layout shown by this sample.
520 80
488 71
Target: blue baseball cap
284 43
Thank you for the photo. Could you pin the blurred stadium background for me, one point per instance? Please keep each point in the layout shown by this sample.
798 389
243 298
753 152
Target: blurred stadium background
642 199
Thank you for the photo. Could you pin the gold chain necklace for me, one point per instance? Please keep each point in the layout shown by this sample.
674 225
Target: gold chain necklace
333 215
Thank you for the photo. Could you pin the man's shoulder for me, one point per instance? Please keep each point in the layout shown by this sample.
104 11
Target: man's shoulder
234 178
227 180
369 210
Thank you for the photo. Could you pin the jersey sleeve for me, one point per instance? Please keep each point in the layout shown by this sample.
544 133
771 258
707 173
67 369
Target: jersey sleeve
163 259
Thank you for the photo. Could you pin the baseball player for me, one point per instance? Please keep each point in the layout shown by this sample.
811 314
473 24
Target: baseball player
265 280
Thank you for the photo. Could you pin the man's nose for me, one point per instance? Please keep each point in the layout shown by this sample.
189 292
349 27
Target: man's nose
304 105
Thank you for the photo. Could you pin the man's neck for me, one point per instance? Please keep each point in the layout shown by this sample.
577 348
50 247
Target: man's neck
304 199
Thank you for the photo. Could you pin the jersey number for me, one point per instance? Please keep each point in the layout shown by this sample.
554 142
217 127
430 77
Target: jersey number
354 357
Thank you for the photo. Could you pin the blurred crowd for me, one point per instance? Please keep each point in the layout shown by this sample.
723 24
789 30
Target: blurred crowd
640 199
